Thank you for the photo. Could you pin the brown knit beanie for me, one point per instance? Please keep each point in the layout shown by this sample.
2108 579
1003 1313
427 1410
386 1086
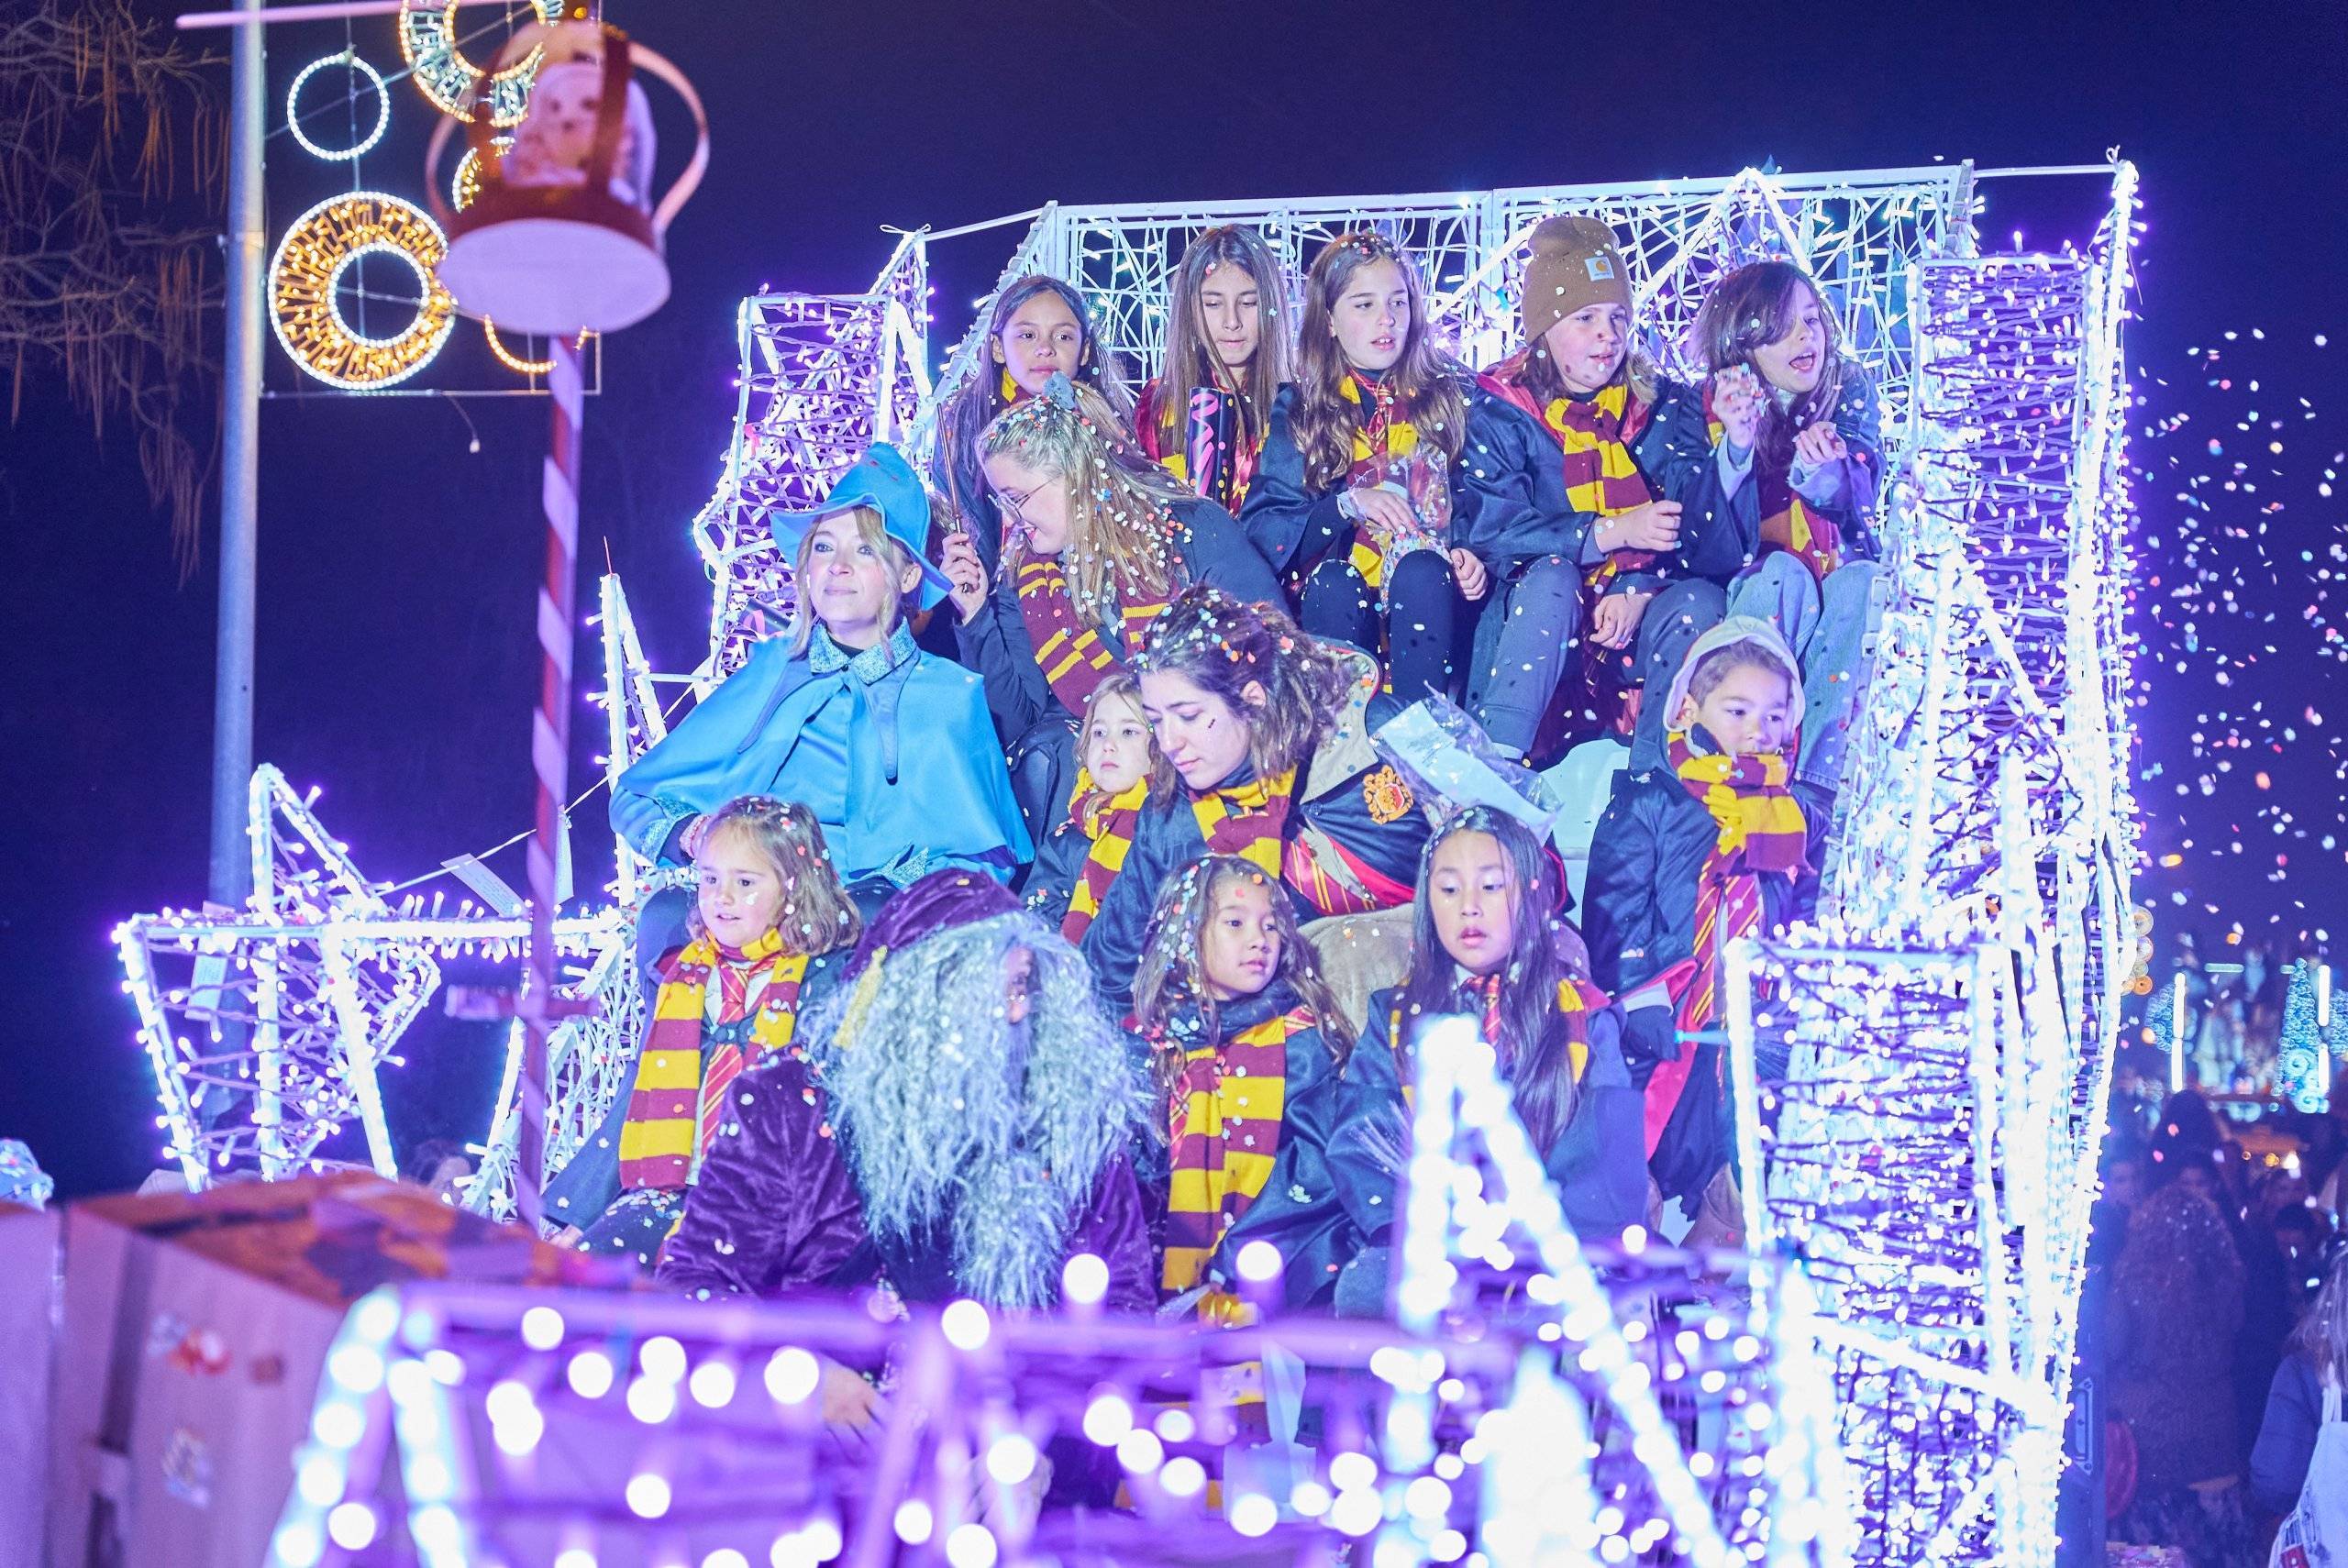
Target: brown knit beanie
1574 263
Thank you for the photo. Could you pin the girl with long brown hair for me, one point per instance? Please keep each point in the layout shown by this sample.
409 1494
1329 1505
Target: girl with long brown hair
1394 491
1229 346
1039 327
1804 518
1485 944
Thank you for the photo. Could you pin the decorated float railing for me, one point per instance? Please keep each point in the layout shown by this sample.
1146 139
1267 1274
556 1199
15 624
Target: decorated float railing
1956 1017
1525 1409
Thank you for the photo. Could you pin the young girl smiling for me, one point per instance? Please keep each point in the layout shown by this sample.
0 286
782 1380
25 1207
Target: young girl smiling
1228 351
1395 492
768 914
1039 327
1355 499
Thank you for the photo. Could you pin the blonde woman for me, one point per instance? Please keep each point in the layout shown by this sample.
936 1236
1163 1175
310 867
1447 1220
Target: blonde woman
887 744
1097 540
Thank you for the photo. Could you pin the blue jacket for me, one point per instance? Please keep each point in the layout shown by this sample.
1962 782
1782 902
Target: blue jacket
995 643
1645 857
1330 1191
1674 455
1508 499
890 747
1639 918
1597 1165
1843 492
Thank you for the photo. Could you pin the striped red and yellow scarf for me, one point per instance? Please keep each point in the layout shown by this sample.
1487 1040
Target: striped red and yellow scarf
675 1103
1008 390
1108 821
1224 1122
1379 437
1761 834
1071 655
1595 435
1246 820
1601 477
1787 522
1213 447
1576 999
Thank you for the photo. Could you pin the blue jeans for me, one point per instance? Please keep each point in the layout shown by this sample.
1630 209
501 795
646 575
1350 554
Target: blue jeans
1826 626
1683 611
1525 642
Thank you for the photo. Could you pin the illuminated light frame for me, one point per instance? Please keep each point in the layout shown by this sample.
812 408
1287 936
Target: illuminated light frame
447 79
823 376
328 975
1950 1030
319 978
306 314
382 107
1463 1118
413 1420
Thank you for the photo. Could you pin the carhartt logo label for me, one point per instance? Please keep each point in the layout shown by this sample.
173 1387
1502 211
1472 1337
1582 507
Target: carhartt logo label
1600 267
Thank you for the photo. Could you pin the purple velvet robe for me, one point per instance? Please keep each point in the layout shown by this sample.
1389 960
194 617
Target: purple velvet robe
777 1209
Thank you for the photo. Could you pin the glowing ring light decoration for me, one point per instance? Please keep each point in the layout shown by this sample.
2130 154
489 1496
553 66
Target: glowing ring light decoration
311 258
428 44
382 107
465 183
515 362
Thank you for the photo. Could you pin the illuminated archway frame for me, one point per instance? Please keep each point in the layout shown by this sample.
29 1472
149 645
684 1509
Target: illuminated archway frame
448 80
302 275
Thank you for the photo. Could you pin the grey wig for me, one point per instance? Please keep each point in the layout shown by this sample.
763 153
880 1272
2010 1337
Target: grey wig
947 1106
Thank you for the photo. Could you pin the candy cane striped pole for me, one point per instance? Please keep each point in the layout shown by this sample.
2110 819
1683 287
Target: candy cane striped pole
550 757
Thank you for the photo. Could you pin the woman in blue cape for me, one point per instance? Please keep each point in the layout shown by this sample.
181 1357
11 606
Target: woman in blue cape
890 746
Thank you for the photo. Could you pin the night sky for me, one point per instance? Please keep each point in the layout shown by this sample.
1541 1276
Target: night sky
396 656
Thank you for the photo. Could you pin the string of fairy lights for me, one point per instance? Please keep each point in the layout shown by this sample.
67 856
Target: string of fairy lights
327 311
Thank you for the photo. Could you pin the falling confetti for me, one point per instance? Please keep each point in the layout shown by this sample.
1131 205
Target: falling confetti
2240 614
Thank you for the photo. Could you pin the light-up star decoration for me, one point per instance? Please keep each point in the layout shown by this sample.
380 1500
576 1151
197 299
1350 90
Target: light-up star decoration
268 1028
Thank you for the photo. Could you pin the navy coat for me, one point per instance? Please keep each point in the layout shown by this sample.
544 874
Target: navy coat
1508 500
